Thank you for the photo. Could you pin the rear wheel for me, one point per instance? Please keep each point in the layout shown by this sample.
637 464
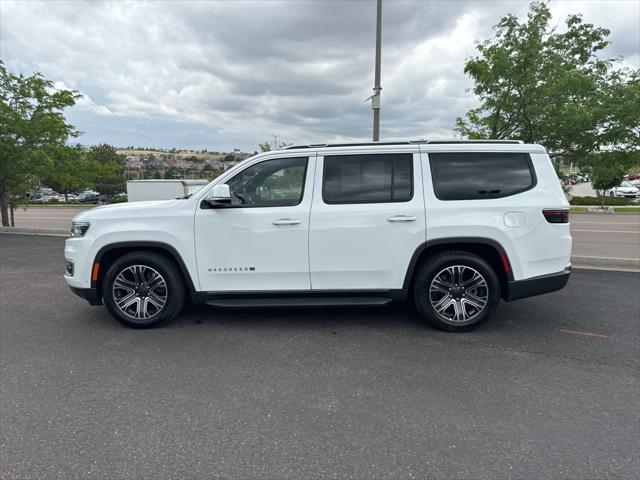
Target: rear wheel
143 290
456 291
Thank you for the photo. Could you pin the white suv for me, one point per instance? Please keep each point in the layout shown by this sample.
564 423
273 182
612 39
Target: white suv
452 226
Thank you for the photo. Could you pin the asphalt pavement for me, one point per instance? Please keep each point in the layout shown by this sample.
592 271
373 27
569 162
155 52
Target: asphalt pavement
548 389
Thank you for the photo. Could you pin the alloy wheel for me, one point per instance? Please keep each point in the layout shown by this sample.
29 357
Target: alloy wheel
458 294
139 292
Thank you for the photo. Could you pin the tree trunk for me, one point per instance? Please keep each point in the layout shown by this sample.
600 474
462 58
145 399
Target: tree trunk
13 220
4 211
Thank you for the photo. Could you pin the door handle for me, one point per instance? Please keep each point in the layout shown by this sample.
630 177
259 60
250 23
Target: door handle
401 218
286 221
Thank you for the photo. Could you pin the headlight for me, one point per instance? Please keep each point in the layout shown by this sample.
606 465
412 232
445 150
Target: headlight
78 229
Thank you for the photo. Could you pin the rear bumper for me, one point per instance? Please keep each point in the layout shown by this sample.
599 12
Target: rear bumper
89 294
537 285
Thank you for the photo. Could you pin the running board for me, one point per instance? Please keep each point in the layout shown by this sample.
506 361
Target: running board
299 302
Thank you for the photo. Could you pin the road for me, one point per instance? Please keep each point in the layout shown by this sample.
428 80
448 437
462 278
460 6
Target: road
593 235
606 235
548 389
46 217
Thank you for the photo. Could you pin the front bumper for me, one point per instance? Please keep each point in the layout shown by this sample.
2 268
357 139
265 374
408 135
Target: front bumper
537 285
78 251
89 294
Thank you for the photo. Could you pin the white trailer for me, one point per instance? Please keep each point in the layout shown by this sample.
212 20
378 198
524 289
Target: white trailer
139 190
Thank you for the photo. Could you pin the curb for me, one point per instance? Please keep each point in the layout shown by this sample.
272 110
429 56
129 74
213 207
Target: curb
35 231
606 263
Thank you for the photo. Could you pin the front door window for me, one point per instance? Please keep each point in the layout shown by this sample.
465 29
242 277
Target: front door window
272 183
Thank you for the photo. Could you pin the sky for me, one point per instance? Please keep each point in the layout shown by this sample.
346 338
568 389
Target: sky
219 75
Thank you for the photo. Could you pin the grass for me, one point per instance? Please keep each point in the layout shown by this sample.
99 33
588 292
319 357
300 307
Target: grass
618 210
608 201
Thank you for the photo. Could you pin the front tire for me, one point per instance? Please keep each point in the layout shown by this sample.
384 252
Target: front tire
143 290
456 291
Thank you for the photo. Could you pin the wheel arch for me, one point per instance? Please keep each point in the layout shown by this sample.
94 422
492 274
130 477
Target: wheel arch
488 249
109 253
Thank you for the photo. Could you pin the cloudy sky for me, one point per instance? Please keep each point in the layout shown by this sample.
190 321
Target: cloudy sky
225 74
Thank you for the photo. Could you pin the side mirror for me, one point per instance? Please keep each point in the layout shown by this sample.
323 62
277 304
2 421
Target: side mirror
218 196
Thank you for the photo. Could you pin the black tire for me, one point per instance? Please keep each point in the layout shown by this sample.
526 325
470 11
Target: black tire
427 294
155 266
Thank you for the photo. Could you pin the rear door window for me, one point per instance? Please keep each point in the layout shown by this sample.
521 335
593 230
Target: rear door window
480 175
375 178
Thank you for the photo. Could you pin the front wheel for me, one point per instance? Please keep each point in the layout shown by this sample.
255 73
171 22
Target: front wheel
143 290
456 291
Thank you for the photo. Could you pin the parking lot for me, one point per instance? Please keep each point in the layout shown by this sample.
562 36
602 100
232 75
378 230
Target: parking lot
548 389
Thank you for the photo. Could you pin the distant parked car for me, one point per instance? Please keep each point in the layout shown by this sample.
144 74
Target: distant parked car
634 176
49 198
625 189
88 198
119 198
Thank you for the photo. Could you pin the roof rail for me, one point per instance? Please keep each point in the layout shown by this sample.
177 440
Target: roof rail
402 142
438 142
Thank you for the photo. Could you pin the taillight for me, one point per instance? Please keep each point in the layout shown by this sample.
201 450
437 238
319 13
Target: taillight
556 216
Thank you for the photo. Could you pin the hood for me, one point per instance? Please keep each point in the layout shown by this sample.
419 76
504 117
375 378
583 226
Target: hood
127 208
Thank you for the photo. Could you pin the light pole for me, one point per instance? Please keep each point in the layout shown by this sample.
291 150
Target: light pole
375 99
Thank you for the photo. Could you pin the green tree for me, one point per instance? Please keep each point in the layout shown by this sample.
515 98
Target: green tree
72 170
110 178
265 147
173 172
606 175
276 144
542 86
32 128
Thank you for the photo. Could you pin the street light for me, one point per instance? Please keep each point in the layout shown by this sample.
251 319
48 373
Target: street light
375 98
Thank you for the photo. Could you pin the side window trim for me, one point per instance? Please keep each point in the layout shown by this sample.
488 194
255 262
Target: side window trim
393 179
302 191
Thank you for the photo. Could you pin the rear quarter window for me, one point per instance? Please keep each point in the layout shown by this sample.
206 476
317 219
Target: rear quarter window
481 175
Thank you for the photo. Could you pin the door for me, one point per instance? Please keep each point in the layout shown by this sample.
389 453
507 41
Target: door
260 241
367 220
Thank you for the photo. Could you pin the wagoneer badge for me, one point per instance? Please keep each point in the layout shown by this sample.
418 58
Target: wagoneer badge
232 269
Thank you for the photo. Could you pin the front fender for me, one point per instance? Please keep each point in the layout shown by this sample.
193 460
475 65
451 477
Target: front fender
176 241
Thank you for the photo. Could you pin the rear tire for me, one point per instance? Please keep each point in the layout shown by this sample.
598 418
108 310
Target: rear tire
143 290
456 291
